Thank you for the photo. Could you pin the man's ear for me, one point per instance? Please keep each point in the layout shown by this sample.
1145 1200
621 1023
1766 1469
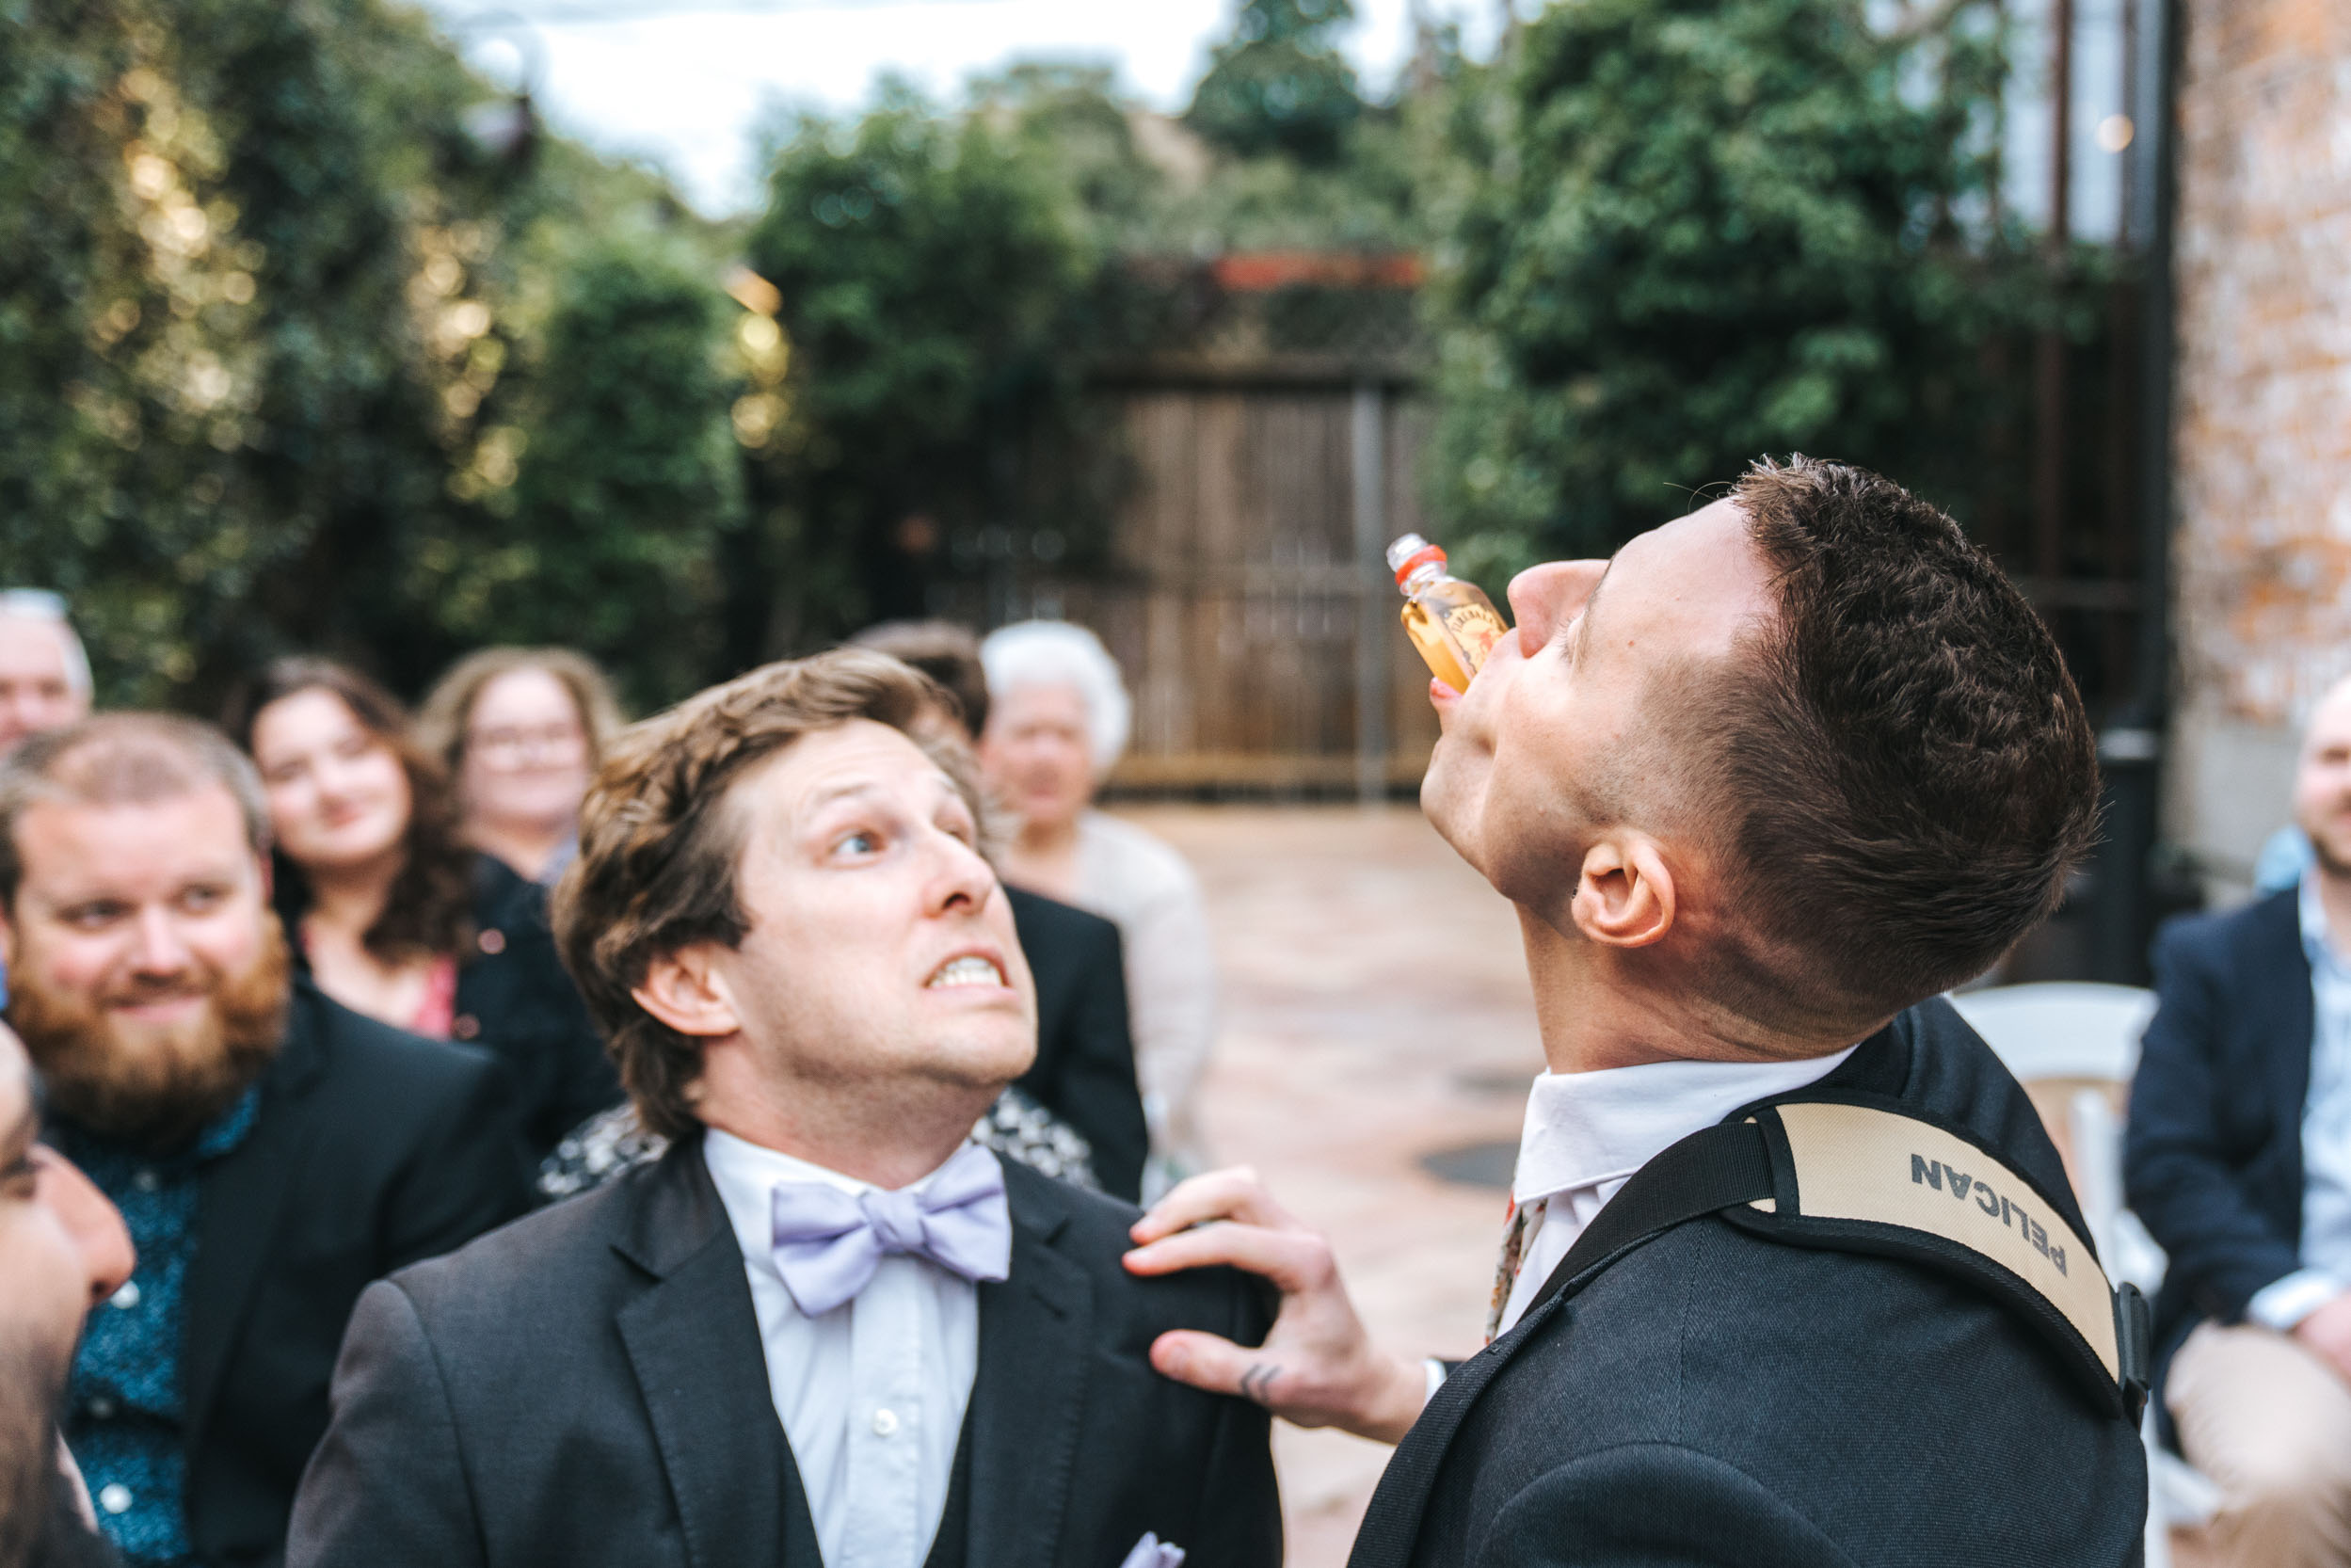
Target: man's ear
684 990
1624 898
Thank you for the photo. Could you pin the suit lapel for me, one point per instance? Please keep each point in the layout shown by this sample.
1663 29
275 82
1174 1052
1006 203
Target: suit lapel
2276 955
239 1202
1027 1400
1391 1527
693 1340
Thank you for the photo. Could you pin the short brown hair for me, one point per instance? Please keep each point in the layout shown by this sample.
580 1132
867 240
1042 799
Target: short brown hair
429 909
122 760
659 852
1912 773
448 708
948 653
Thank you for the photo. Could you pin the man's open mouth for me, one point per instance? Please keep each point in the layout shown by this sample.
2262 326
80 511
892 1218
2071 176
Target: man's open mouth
970 970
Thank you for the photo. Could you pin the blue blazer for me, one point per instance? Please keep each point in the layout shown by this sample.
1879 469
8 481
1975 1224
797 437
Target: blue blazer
2212 1159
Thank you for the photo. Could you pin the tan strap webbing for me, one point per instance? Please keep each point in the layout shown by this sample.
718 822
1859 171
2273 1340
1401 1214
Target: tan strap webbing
1858 1162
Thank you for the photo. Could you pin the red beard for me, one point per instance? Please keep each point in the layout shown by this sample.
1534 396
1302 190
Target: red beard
154 1088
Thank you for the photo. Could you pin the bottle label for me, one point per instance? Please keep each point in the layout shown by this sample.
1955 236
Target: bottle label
1477 628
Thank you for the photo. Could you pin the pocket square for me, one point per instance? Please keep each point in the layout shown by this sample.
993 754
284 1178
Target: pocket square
1150 1552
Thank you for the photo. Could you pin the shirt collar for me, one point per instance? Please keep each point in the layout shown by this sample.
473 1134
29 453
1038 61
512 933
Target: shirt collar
224 1132
2317 940
1587 1128
216 1139
745 1175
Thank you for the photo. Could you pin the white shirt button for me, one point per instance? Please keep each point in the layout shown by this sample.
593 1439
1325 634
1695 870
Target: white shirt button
127 1297
115 1498
145 1180
101 1408
885 1422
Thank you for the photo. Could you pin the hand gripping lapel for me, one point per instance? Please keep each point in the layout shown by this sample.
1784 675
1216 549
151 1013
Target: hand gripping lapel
1868 1176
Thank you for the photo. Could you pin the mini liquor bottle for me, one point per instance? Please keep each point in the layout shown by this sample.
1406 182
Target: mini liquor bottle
1452 622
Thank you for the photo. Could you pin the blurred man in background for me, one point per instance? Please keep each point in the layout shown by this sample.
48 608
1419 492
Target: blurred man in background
271 1151
62 1250
44 675
2238 1158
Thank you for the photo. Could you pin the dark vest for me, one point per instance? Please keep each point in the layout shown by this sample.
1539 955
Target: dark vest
948 1547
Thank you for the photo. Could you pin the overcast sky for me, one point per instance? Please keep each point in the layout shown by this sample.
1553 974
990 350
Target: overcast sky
688 82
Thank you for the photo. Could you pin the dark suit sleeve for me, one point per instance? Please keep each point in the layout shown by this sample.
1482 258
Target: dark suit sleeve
1652 1505
467 1177
2177 1175
1239 1511
1097 1084
386 1485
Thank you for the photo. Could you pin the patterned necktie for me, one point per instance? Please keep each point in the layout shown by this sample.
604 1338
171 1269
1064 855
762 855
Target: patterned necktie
1518 1235
828 1243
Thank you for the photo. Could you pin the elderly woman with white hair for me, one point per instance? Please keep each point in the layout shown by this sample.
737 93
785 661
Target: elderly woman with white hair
1057 717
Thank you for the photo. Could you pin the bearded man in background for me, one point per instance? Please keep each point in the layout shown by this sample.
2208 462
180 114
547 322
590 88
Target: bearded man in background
270 1151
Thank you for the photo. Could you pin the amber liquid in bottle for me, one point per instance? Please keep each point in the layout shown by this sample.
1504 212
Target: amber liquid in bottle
1452 623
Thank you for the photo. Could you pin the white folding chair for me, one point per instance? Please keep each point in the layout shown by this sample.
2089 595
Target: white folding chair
2089 1033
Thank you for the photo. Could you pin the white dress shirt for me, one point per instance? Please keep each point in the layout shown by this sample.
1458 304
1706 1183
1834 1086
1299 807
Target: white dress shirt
2325 1240
872 1395
1587 1134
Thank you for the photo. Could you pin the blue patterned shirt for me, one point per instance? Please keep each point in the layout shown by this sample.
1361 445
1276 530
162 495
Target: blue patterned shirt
125 1409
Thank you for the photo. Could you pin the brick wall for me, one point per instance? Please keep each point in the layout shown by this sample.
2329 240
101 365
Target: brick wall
2263 556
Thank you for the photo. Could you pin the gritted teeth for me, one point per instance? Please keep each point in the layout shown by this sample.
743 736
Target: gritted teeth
970 970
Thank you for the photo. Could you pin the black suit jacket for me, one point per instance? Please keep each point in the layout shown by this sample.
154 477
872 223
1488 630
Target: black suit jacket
1718 1398
1085 1066
520 1002
373 1150
515 1001
587 1387
2212 1157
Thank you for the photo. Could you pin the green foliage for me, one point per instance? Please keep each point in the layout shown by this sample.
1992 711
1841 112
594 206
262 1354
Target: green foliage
939 282
1278 86
1696 231
1066 121
1369 198
625 475
288 360
267 350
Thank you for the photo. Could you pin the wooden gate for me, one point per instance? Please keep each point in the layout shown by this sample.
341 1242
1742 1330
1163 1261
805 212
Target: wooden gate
1246 597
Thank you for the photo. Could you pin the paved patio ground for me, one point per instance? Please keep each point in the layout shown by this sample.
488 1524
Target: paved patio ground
1375 1012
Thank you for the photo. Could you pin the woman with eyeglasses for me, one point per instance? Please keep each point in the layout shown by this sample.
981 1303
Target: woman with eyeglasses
393 913
519 730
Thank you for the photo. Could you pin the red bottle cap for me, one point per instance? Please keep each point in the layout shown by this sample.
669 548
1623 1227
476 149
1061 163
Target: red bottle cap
1417 559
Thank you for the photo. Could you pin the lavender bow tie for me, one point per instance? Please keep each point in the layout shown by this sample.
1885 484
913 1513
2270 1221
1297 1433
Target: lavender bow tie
828 1243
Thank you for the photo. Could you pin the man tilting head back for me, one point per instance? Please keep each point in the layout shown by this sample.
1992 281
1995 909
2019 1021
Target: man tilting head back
824 1327
1759 786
